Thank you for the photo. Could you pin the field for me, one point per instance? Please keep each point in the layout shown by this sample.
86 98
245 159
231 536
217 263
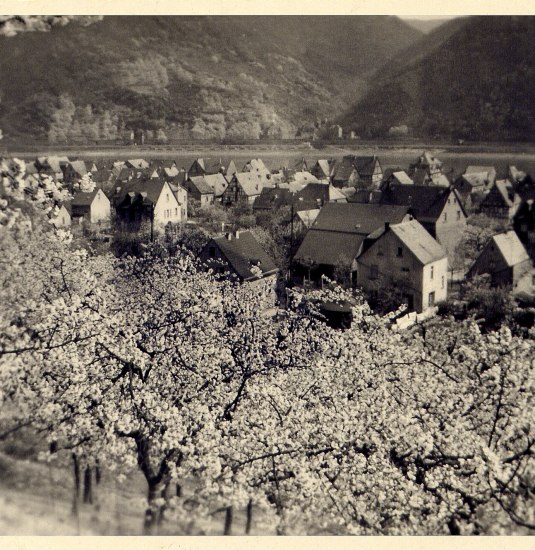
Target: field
455 158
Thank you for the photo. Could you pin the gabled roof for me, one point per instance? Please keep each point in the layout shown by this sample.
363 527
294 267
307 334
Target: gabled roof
79 167
150 190
427 159
243 252
250 182
323 192
415 237
510 247
272 198
425 201
217 182
256 165
139 164
357 218
397 175
84 199
305 177
365 165
343 170
501 194
474 169
308 217
201 185
324 167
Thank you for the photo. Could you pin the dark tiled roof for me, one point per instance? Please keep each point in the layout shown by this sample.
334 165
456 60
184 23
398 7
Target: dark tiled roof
201 185
340 230
84 199
425 201
245 252
149 189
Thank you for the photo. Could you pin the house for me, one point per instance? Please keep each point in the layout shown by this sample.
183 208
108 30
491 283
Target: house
323 169
93 207
257 166
504 258
204 167
524 225
52 166
524 289
438 209
199 191
318 194
243 187
338 234
240 255
181 195
74 170
426 169
303 178
137 164
148 201
395 176
62 218
303 219
359 171
405 256
501 201
486 174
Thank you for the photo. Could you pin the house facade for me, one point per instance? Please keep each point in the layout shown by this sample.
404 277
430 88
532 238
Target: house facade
243 188
406 257
504 258
199 191
93 207
501 201
524 225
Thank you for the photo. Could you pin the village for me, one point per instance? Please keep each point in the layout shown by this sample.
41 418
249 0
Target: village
405 236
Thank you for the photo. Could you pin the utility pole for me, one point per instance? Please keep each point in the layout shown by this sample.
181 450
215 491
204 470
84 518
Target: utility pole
152 223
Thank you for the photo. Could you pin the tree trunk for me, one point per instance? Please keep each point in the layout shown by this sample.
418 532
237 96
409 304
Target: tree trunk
178 490
249 522
228 521
76 488
154 512
98 473
453 527
88 489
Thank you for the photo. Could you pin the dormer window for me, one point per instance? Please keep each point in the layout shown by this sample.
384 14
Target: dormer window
400 252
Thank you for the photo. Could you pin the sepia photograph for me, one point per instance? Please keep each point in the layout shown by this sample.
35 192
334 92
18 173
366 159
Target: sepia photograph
267 274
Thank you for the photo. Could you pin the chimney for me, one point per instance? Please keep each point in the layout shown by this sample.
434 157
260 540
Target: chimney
237 234
229 236
387 226
222 227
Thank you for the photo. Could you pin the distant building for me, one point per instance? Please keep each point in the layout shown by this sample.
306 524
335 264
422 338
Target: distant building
75 170
243 188
358 171
62 219
323 169
438 209
406 257
338 235
199 191
504 258
148 200
240 255
207 166
395 176
501 201
426 169
93 207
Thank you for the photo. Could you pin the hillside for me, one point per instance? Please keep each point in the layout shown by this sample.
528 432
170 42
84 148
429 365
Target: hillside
183 77
470 78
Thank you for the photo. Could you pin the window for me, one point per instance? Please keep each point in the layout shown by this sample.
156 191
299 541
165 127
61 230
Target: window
445 216
432 272
431 299
176 211
405 270
167 195
458 215
400 252
442 282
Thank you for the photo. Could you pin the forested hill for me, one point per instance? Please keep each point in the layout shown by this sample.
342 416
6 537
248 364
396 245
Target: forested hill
200 77
470 78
